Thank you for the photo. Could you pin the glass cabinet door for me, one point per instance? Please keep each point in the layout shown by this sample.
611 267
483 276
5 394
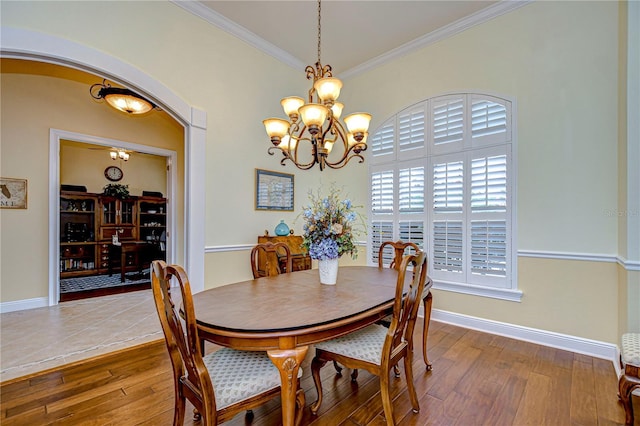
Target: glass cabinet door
127 212
109 212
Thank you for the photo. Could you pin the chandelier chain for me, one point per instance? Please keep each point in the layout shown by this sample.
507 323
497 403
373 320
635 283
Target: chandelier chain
319 30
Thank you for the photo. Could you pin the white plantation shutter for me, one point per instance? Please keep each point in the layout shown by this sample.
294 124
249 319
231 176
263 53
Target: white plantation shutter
489 183
382 192
447 246
411 130
381 231
448 187
448 126
411 190
383 141
490 120
412 231
451 191
489 247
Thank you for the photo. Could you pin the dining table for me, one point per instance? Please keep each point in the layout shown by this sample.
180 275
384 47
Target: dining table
285 314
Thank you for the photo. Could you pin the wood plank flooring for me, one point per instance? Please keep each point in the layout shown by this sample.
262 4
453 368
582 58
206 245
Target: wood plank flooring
477 379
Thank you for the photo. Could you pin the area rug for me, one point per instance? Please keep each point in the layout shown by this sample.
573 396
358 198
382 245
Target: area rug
94 282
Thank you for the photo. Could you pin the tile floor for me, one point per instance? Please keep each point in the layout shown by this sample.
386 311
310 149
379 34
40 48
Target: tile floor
39 339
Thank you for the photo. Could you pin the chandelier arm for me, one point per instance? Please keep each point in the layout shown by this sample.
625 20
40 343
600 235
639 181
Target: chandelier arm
341 132
300 166
343 162
287 156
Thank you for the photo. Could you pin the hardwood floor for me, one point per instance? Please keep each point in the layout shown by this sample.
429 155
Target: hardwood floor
477 379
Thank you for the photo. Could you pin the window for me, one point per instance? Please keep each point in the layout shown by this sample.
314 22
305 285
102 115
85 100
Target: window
441 176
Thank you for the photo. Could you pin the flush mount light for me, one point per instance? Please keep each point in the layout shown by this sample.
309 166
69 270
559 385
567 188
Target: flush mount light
121 99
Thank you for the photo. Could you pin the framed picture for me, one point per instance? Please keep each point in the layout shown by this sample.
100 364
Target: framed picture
274 190
13 193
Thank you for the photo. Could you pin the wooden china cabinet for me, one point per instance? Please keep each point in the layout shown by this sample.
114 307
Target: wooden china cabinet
118 216
89 221
78 223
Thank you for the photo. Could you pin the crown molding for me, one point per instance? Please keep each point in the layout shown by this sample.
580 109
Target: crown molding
225 24
480 17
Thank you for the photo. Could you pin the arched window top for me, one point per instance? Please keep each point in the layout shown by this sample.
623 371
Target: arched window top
443 124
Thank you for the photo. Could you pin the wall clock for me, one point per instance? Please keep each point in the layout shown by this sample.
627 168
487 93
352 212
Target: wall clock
113 173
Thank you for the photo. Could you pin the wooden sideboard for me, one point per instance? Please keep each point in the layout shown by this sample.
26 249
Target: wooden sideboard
299 257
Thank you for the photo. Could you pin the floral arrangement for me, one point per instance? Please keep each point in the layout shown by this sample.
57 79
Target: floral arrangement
331 223
116 190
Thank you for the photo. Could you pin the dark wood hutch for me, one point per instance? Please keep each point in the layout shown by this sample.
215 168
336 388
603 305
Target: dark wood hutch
89 222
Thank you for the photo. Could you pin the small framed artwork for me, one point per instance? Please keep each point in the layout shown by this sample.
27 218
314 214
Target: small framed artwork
274 190
13 193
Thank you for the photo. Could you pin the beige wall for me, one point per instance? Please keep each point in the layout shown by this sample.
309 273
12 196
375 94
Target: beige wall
563 76
84 164
32 104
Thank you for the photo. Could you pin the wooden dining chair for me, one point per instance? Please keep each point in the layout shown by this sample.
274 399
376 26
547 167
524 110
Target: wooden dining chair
265 259
399 250
220 384
376 348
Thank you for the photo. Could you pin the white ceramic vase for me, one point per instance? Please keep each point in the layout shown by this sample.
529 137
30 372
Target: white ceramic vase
328 271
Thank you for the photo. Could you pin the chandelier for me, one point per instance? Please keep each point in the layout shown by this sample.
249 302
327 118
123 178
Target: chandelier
318 122
121 99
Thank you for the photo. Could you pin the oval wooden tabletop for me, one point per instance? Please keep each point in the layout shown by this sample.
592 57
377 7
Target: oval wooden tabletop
294 301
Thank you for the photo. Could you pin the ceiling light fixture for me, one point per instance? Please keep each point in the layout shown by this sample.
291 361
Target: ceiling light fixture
117 153
121 99
317 122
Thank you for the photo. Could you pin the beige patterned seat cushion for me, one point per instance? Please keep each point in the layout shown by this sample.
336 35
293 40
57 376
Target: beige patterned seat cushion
630 350
365 344
239 375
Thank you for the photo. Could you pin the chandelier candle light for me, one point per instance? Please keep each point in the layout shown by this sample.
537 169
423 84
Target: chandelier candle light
317 122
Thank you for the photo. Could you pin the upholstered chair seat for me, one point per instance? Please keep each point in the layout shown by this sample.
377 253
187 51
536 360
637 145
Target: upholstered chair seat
629 383
364 345
240 375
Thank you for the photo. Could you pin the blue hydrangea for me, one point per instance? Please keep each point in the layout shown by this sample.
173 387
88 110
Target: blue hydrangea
324 249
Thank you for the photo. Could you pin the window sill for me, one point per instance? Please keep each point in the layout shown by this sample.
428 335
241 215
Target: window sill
474 290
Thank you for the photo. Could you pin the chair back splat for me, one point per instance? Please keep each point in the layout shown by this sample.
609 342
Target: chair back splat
405 308
271 253
376 348
399 248
220 384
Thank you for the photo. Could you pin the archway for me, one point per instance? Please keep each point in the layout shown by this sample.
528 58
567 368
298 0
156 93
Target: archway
29 45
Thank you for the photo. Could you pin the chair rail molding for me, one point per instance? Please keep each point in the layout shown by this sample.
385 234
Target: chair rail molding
629 265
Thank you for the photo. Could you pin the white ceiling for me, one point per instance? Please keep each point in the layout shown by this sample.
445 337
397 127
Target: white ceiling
355 34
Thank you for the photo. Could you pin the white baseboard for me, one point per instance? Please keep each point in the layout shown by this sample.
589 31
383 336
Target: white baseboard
19 305
575 344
